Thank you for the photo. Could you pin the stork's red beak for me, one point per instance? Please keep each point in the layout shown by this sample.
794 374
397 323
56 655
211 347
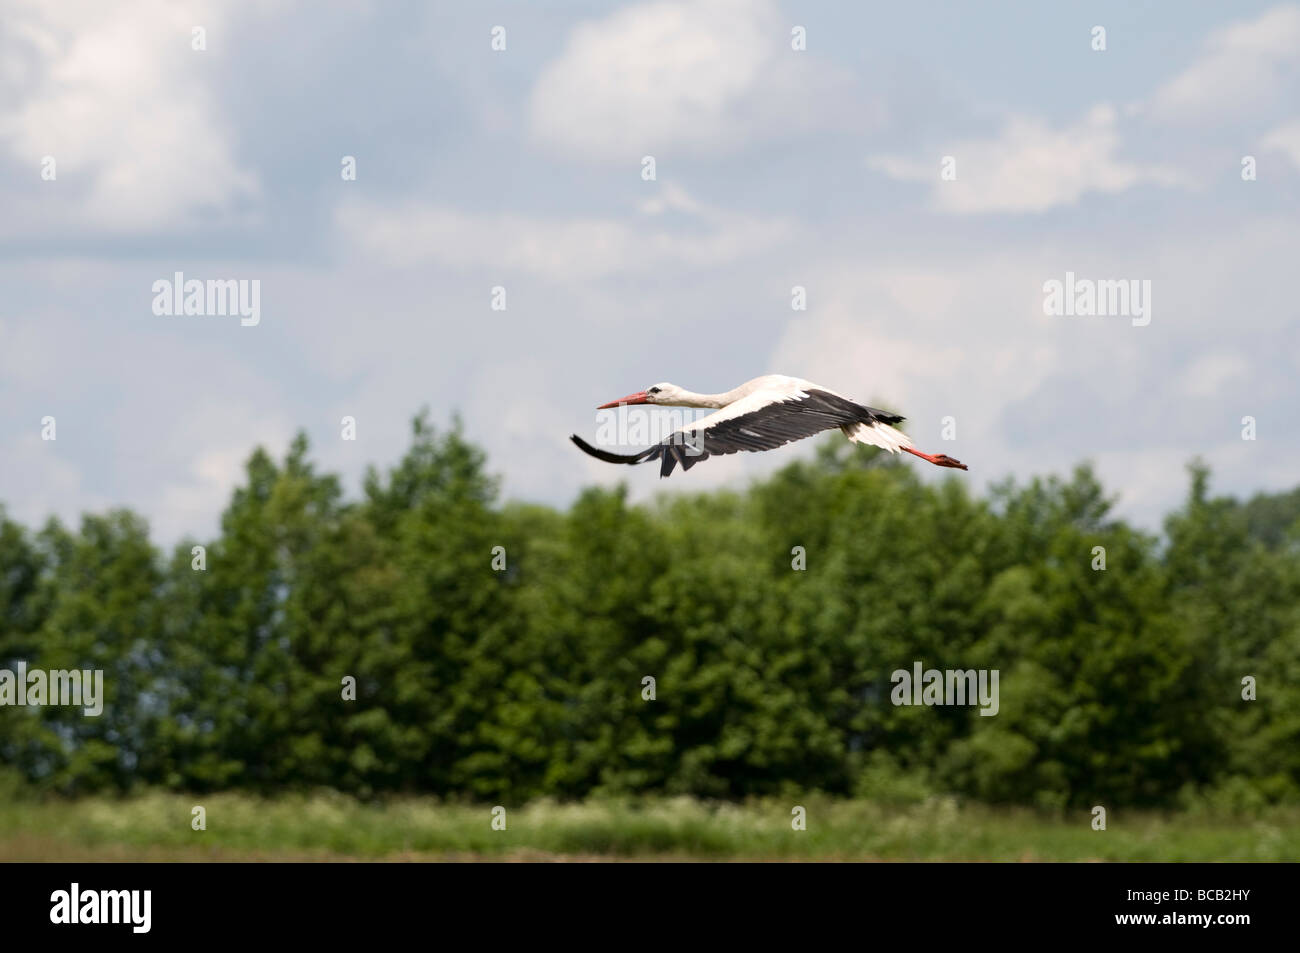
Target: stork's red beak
640 397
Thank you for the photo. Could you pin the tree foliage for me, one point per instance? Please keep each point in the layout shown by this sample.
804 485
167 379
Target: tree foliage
501 651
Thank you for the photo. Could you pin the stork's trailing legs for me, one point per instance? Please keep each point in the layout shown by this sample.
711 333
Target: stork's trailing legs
938 459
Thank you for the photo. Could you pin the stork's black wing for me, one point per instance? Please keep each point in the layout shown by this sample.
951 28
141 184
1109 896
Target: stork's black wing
761 421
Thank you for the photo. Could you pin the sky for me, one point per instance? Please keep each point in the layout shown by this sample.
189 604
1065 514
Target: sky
922 171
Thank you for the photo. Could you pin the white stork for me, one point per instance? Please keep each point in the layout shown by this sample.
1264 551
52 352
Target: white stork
761 414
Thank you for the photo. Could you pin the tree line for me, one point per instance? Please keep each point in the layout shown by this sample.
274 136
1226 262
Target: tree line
723 644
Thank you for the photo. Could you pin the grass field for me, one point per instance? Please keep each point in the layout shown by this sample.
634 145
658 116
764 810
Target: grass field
156 827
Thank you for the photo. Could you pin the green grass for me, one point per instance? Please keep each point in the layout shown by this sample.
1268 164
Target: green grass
334 827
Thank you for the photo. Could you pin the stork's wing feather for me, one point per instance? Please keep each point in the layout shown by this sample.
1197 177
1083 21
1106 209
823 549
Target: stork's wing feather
763 420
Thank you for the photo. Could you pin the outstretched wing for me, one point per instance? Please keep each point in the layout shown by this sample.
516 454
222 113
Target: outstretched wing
763 420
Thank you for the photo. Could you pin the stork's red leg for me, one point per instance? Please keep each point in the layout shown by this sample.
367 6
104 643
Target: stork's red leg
938 459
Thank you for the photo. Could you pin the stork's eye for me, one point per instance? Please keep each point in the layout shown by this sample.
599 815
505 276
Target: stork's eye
653 390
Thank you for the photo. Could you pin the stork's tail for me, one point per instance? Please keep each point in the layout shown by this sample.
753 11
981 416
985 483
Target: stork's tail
878 433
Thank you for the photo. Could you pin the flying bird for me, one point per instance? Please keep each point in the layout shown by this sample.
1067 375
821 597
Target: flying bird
762 414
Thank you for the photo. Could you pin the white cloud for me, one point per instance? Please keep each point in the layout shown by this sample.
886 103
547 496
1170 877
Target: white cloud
574 250
192 504
1208 375
702 77
1284 139
965 336
42 481
1030 167
116 94
921 339
1246 64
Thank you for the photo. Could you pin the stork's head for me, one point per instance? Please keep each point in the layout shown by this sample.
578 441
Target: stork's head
663 393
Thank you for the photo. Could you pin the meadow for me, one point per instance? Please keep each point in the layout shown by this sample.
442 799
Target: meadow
333 827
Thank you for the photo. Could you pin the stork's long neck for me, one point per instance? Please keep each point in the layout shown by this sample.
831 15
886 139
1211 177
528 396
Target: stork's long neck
689 398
